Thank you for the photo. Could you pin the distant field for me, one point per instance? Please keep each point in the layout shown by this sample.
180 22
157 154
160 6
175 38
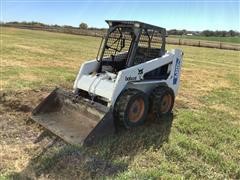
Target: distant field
54 57
235 39
201 142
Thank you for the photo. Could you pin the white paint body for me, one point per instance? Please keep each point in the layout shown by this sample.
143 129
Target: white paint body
109 85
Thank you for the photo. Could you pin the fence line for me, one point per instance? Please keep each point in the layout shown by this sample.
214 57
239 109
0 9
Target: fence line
100 33
204 43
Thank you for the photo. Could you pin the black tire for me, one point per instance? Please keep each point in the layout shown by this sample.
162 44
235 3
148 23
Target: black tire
131 108
161 101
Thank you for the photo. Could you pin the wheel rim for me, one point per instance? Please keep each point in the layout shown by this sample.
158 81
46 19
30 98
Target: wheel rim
136 110
166 103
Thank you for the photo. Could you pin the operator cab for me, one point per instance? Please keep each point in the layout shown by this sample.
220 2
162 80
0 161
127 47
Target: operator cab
128 43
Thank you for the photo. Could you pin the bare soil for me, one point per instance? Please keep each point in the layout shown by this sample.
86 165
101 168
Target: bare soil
18 133
29 151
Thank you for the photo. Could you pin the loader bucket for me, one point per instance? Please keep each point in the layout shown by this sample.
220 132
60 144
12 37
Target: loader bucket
75 122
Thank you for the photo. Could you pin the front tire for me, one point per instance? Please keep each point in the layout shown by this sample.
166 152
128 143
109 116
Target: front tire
131 108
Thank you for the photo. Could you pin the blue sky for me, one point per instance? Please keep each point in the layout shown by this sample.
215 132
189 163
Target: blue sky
172 14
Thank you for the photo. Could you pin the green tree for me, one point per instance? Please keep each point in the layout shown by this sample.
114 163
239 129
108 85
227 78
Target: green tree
83 26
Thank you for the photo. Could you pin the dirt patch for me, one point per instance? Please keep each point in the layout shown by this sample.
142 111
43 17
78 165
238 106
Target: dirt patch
22 101
34 49
29 151
17 136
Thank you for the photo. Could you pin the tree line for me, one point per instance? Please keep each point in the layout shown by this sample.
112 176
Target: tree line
230 33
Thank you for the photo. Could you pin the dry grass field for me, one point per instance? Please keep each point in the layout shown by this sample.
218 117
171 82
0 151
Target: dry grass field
202 140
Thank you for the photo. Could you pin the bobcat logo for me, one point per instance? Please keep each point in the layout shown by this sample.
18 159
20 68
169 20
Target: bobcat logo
140 73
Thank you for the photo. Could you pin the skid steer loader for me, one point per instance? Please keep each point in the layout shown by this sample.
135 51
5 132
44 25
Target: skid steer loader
132 77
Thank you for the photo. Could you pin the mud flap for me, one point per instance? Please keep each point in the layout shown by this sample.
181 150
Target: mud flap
77 122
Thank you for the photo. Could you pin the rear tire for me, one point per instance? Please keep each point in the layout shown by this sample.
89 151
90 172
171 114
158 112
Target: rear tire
162 101
131 108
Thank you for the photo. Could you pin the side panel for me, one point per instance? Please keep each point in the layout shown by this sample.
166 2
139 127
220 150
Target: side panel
97 85
135 74
174 79
86 68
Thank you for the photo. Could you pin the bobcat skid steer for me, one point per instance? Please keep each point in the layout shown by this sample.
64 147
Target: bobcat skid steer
133 76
